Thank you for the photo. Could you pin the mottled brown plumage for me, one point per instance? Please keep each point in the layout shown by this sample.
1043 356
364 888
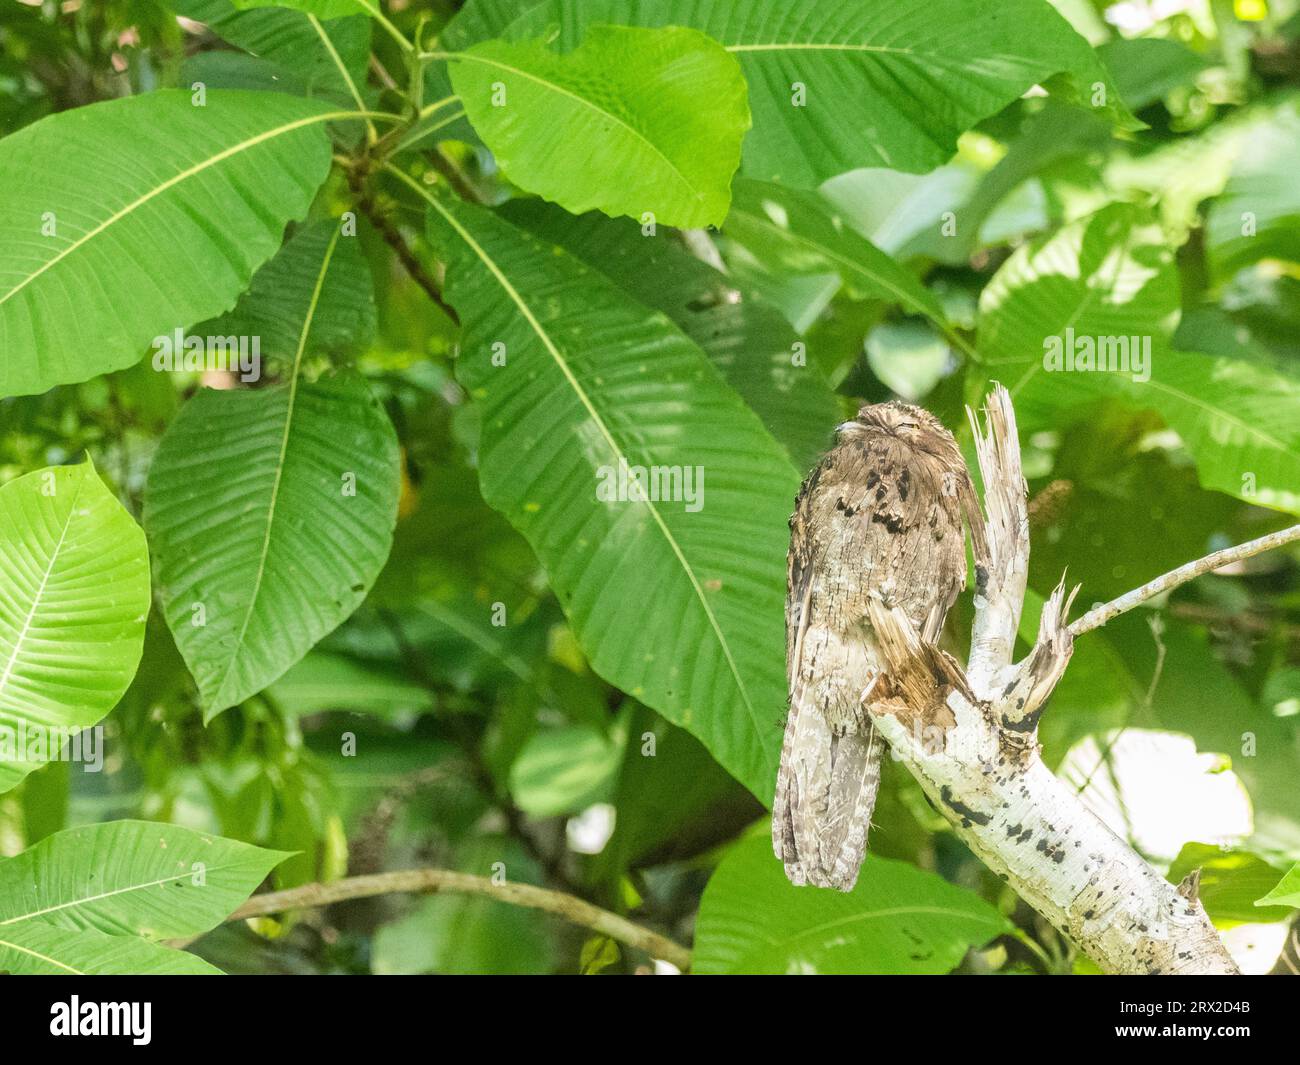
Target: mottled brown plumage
880 515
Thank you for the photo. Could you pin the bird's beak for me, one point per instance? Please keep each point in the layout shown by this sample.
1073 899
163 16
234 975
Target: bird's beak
845 426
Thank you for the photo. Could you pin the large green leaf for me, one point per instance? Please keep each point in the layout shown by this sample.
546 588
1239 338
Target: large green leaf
1110 275
305 55
31 948
625 132
270 513
897 920
800 233
1111 279
129 219
1286 892
679 602
282 308
1239 420
319 8
748 339
882 86
1258 215
74 594
131 878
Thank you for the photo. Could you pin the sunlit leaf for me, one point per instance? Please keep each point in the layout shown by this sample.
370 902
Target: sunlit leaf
898 919
74 594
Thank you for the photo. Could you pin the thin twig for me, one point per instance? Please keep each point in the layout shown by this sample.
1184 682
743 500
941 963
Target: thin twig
394 239
568 907
1098 616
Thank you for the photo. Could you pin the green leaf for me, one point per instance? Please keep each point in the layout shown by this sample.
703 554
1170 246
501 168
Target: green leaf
270 514
135 217
748 339
1146 69
1258 215
1230 883
283 309
74 594
673 800
319 8
1286 892
624 131
1108 276
306 56
897 920
599 952
801 233
1110 281
133 878
908 357
888 88
564 770
679 603
1239 420
31 948
324 681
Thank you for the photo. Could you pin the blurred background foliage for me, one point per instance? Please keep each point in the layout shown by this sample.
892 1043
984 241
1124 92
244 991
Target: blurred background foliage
481 733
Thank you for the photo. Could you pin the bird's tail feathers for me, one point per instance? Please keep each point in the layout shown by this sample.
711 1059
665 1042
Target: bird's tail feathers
825 793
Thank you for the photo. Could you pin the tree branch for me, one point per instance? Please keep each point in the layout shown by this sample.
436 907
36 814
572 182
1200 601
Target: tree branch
1098 616
394 239
970 739
574 910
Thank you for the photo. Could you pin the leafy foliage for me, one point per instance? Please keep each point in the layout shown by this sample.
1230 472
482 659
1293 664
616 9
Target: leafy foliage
628 126
896 920
478 561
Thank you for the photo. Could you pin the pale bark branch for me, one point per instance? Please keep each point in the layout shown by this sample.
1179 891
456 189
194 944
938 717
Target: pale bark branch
970 739
568 907
1098 616
1000 586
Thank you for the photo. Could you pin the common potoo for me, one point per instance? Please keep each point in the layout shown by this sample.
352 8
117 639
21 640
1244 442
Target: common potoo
881 514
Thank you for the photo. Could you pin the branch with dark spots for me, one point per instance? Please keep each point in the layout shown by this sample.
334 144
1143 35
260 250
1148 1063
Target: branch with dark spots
987 777
960 808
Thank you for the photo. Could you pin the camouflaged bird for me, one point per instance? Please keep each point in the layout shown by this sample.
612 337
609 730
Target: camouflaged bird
880 515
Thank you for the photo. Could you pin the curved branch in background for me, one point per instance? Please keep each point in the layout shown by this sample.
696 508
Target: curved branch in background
568 907
970 739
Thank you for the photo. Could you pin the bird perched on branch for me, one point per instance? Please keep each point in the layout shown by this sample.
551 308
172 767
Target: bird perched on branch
881 515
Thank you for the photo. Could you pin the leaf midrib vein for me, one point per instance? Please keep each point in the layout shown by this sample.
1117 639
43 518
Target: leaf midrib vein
43 957
40 591
86 900
171 182
279 466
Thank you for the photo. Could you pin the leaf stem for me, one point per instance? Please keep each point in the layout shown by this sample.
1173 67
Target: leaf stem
374 11
394 239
